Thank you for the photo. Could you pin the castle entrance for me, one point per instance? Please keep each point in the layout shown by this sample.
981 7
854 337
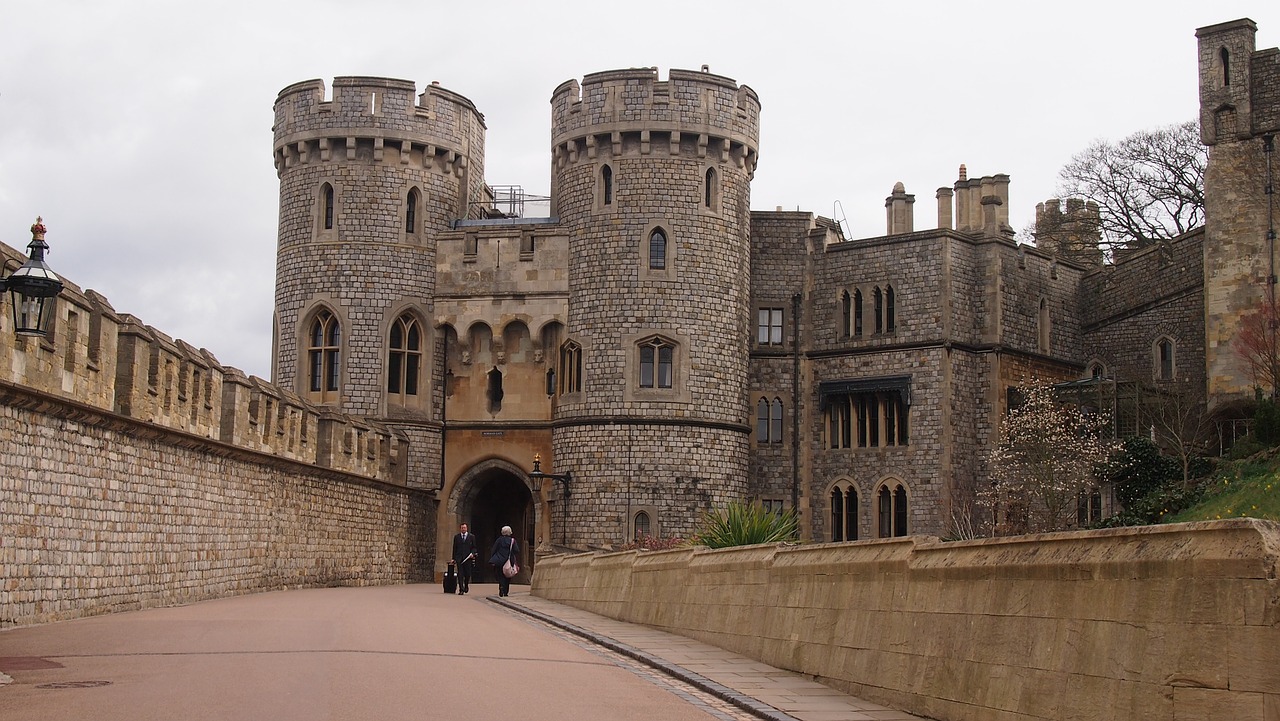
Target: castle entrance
489 498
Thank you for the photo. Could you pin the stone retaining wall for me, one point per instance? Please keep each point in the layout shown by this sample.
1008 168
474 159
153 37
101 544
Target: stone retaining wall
1165 622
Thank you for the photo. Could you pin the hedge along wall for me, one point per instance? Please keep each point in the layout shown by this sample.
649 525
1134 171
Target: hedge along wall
102 513
1163 622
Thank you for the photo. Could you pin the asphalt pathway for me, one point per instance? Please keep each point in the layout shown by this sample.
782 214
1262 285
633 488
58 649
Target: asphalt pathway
387 653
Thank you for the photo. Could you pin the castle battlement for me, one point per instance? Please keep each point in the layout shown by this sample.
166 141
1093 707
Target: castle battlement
110 363
632 112
378 119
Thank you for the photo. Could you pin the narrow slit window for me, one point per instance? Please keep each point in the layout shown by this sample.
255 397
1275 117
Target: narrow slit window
411 212
657 250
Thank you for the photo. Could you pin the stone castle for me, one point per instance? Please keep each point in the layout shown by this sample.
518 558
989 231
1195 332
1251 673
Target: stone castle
673 350
657 346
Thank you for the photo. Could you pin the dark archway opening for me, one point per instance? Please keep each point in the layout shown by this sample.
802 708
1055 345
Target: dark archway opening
500 500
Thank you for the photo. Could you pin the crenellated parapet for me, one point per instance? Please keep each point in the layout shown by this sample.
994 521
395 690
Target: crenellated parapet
377 119
266 418
623 112
101 361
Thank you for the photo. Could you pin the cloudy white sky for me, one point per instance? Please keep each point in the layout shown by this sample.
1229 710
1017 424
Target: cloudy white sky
141 131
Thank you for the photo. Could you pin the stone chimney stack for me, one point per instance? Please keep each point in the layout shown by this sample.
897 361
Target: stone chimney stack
991 208
945 196
899 211
962 199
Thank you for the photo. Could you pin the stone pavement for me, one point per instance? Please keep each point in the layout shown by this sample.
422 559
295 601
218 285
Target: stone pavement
764 691
386 653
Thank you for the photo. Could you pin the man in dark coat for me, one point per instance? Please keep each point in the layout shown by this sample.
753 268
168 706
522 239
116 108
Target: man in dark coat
464 556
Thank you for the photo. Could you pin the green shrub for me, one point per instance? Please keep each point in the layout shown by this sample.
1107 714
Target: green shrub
1266 423
745 524
1244 448
1139 469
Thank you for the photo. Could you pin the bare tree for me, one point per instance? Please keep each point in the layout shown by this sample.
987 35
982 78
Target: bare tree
1148 187
1180 421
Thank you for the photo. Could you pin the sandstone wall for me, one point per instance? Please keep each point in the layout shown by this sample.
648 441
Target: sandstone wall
1164 622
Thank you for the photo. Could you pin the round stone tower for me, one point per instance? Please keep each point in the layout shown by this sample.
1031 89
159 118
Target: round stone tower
651 180
368 178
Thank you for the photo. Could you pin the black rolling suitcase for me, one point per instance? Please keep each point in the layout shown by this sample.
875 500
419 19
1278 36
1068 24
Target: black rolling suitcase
450 580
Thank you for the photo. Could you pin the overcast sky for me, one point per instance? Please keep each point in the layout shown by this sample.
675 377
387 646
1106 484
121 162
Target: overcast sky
141 131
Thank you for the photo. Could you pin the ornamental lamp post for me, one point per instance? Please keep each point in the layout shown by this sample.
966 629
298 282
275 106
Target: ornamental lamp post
565 478
537 475
33 288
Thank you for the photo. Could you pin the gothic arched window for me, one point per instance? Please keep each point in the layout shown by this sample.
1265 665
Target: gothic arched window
404 358
656 361
323 355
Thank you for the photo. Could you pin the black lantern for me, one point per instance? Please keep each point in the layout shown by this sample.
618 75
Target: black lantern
33 289
537 475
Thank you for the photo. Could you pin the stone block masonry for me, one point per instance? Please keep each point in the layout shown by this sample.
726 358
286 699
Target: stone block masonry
1164 622
101 514
136 471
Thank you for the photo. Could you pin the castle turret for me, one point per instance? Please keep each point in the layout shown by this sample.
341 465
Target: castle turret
1239 117
367 179
1074 235
652 180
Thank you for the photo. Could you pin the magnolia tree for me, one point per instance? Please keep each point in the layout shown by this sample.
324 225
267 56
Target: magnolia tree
1045 462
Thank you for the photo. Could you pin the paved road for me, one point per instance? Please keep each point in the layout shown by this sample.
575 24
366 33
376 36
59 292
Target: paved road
390 653
396 652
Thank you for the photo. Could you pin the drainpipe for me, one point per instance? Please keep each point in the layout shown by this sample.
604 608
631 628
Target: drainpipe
1268 146
795 404
444 395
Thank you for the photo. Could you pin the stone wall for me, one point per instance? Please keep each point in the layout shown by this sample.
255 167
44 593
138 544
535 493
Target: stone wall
1127 307
1162 622
137 471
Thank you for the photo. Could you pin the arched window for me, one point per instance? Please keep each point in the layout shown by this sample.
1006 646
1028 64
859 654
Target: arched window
494 390
657 250
411 212
570 367
877 303
892 511
642 526
711 190
769 421
1096 370
846 314
1164 359
1226 65
890 313
404 358
775 421
1042 327
656 360
326 200
323 357
857 312
844 512
606 185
